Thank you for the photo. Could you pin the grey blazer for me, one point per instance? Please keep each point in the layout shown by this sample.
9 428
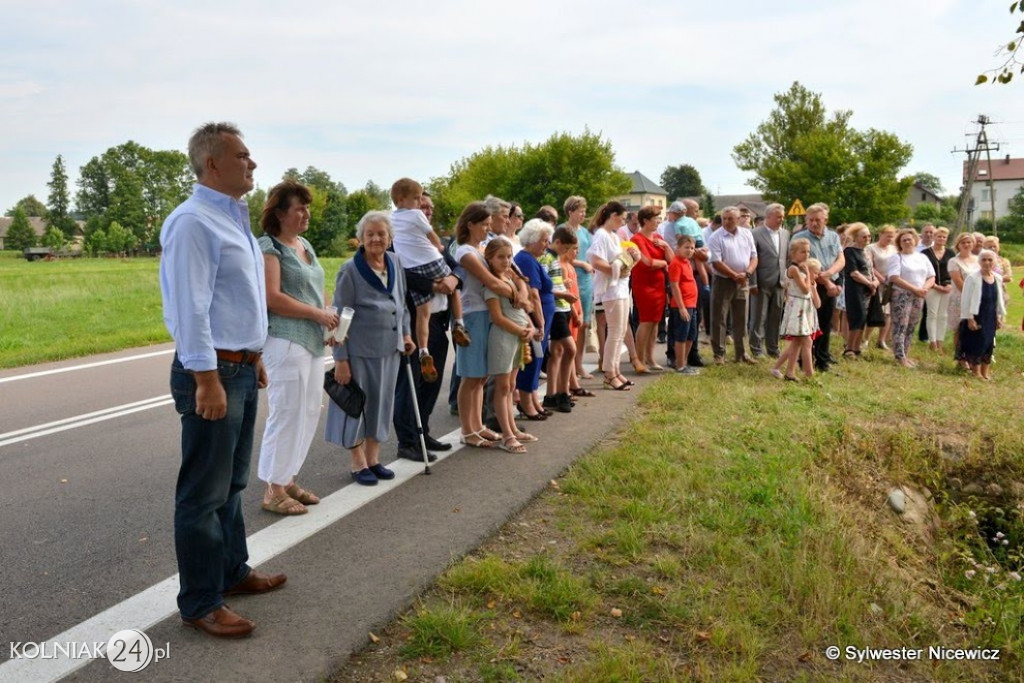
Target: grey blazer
771 264
381 321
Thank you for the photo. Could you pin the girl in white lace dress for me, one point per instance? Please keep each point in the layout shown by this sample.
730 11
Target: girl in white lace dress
800 317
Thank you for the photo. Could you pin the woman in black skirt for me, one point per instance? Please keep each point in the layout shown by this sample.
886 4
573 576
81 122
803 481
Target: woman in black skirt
860 285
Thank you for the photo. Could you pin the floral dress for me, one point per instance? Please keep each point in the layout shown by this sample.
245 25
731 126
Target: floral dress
799 319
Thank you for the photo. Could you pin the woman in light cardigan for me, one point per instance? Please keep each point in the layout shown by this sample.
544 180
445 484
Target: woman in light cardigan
982 312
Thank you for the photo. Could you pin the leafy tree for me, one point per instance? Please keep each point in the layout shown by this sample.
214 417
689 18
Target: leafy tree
30 206
54 238
59 212
20 234
120 240
533 175
943 214
682 181
96 241
929 182
801 152
1011 226
1005 72
135 186
256 199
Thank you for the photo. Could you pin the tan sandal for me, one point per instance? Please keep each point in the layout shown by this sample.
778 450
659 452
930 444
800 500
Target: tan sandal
302 495
510 444
475 440
285 505
526 438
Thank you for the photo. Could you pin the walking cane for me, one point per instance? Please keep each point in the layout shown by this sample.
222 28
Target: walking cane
416 412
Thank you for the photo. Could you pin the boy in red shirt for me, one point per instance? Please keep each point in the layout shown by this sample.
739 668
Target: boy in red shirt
683 303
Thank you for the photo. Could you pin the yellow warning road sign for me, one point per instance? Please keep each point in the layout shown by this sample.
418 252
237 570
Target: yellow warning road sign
797 209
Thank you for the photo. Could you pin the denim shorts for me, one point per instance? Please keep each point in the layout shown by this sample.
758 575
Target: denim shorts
683 330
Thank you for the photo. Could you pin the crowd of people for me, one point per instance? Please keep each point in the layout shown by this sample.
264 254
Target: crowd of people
521 300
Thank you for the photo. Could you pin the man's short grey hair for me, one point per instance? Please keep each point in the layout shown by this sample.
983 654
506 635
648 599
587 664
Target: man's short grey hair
534 231
819 207
775 206
731 208
206 142
374 217
692 203
496 206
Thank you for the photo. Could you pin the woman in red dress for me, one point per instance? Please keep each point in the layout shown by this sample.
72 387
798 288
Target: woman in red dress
648 283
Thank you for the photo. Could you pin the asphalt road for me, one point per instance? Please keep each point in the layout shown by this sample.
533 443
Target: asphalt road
89 457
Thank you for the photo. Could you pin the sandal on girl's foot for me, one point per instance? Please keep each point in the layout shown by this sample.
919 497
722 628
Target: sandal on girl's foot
526 438
776 373
638 366
850 353
790 378
284 505
475 440
583 393
489 435
546 413
627 382
427 368
584 375
302 495
510 444
611 384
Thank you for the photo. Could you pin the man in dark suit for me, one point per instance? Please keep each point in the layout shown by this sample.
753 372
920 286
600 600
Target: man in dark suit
768 291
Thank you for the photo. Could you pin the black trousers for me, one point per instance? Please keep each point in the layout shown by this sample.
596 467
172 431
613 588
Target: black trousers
820 348
426 392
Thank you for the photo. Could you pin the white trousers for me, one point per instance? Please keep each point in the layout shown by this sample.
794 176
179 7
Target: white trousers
616 315
938 314
294 394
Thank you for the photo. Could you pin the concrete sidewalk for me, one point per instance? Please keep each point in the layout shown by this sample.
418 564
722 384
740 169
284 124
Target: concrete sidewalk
362 571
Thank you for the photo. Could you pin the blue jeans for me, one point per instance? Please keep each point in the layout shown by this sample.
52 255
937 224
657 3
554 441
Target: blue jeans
209 534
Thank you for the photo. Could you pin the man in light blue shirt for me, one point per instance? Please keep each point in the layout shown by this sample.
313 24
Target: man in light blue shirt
214 303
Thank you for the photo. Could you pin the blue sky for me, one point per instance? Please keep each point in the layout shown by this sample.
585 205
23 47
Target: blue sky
388 89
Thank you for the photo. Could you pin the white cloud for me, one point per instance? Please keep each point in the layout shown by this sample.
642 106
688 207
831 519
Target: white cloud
401 88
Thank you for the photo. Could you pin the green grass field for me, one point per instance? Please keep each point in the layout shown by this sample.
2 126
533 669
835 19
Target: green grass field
52 310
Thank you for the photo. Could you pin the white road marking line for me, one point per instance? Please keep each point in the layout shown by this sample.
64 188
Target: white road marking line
158 602
29 433
85 366
34 432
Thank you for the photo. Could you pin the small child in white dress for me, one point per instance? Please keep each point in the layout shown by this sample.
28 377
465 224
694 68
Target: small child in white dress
800 318
419 248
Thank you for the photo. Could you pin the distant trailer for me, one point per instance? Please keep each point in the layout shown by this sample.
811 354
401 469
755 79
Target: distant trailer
33 253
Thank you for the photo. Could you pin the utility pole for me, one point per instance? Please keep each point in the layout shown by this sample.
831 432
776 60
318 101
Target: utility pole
973 161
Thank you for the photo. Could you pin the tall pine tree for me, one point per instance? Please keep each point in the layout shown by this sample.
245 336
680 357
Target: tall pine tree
59 201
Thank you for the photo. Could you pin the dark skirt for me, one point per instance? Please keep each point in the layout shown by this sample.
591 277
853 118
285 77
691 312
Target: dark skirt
976 346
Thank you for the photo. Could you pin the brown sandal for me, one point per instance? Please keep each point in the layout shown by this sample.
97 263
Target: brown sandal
302 495
285 505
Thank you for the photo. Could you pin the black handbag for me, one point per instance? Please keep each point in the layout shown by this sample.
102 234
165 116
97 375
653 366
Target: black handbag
349 397
875 316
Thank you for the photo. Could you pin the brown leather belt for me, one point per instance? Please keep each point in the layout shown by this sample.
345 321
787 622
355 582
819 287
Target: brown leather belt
243 357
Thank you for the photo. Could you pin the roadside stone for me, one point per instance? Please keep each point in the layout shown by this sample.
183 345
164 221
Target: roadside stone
898 500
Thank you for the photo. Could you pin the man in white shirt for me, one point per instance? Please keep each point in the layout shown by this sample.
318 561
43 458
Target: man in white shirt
733 259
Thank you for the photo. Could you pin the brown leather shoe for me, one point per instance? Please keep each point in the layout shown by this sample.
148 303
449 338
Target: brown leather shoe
222 623
257 582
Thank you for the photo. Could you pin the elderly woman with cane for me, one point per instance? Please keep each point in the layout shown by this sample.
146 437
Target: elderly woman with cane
373 284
